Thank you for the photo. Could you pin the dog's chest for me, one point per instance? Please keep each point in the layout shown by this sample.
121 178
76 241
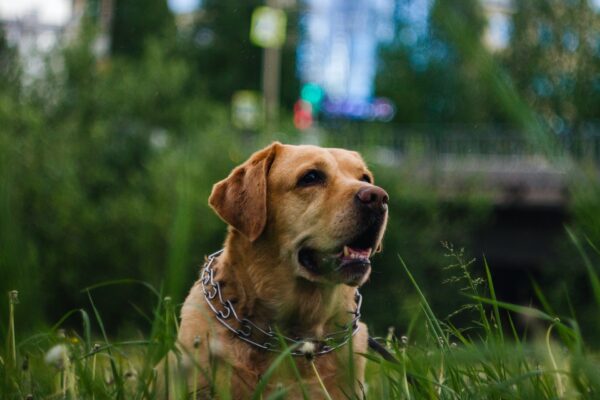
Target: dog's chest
287 375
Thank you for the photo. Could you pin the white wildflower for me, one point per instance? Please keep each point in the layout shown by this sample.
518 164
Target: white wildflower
215 346
57 356
308 348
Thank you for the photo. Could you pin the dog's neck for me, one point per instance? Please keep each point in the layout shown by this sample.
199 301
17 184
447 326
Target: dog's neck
264 289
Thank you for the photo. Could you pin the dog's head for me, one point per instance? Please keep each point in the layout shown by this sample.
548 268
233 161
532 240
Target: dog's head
317 209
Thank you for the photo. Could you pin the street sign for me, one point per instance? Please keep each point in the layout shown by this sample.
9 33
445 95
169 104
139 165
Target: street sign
268 27
246 110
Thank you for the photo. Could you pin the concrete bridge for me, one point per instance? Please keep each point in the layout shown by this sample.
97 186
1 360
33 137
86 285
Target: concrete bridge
505 167
504 179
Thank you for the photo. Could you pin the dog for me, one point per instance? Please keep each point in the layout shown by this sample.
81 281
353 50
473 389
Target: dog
303 223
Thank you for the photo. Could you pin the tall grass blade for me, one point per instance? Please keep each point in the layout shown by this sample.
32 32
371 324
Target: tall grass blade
542 298
122 282
116 376
595 282
527 311
181 230
431 318
87 330
495 307
264 380
559 383
294 368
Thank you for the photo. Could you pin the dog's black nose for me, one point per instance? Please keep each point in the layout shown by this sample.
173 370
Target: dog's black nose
373 197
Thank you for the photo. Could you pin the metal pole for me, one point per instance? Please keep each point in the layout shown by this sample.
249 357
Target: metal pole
270 81
271 77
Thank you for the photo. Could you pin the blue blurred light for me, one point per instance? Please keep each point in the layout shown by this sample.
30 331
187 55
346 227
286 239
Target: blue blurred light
379 109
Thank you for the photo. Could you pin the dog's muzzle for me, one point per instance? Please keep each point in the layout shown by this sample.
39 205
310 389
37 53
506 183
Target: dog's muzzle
351 262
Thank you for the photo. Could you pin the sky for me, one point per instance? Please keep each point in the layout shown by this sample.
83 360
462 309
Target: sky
58 12
54 12
183 6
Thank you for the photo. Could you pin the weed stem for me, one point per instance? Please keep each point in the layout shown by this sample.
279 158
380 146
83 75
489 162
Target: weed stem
13 298
314 367
559 385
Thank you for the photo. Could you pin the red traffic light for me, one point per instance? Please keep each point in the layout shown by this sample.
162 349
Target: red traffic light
303 115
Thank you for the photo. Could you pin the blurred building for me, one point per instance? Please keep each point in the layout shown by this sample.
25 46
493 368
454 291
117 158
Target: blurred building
36 27
338 49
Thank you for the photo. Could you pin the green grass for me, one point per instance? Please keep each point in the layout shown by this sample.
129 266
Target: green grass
487 359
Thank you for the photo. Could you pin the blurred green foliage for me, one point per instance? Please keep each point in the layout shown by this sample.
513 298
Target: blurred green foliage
106 171
134 23
428 76
217 45
553 59
419 222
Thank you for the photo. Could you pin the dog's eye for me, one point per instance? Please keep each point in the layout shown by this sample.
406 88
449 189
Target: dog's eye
366 178
312 177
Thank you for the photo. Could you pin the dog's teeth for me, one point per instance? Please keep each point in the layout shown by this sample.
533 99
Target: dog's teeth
356 254
346 251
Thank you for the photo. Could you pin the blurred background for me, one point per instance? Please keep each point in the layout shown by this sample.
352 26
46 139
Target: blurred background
481 118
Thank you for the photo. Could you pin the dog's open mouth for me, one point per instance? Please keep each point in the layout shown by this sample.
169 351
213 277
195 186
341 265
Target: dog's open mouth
349 263
315 261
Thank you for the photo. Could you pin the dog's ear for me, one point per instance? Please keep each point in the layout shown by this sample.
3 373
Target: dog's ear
241 198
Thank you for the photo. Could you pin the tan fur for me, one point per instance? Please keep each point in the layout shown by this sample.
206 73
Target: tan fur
269 219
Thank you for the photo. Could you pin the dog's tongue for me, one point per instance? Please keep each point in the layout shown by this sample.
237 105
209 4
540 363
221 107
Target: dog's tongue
349 252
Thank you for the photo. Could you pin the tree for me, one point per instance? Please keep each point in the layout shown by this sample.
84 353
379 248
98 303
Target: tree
428 75
554 59
135 21
10 72
226 59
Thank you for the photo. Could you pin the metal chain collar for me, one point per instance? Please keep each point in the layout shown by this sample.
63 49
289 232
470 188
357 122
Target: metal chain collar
247 329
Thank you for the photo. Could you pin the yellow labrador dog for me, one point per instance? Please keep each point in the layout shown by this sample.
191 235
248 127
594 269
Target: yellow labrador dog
303 224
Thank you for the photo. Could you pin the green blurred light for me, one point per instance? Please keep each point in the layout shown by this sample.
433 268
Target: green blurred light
312 93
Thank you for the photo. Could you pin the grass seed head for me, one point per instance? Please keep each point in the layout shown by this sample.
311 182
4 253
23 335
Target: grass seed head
13 297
